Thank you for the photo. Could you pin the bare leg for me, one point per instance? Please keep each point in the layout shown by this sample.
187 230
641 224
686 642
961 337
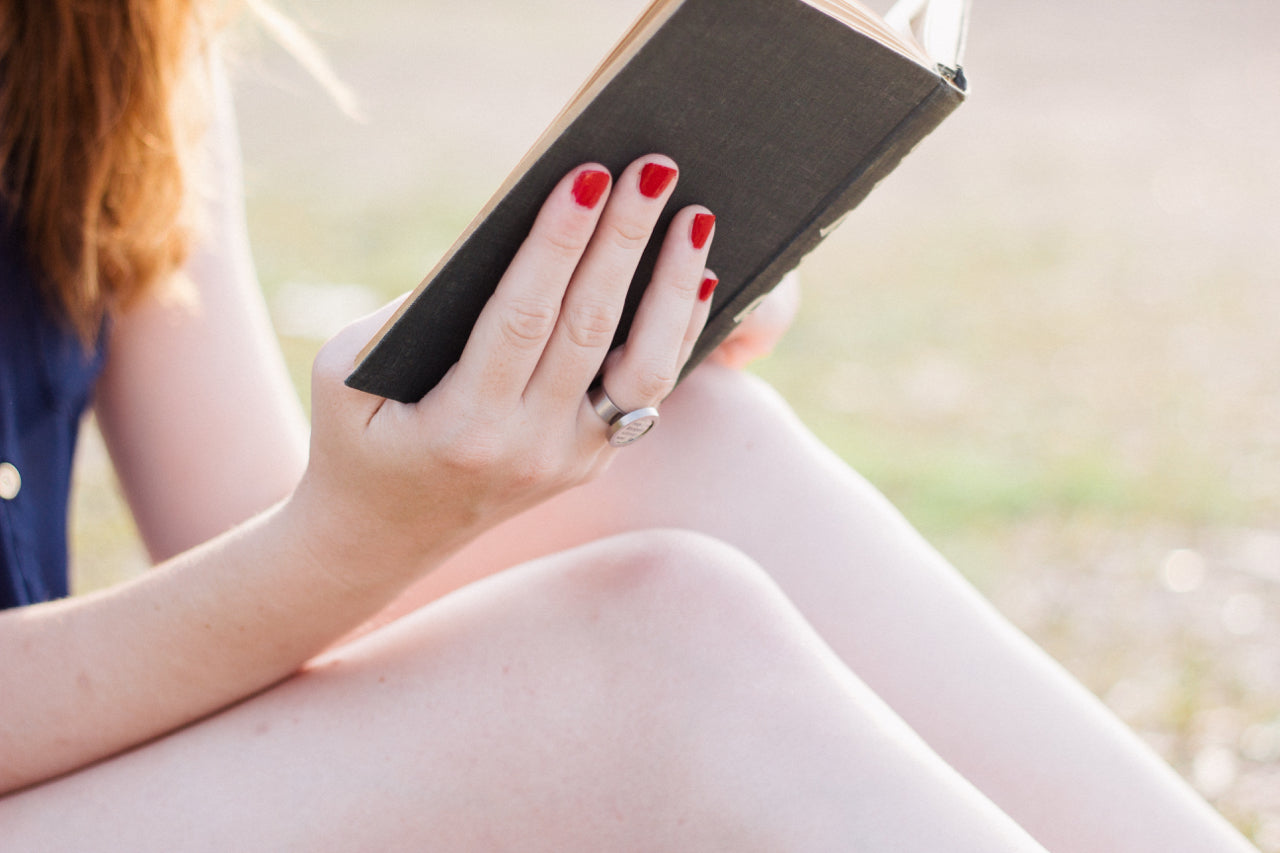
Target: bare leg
653 692
730 460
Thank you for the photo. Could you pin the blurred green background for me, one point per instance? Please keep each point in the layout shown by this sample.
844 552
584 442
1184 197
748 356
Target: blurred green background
1049 337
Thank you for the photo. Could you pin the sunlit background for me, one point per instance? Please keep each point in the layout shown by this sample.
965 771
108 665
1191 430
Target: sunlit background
1049 337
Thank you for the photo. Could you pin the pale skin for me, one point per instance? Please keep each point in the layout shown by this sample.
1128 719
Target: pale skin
714 644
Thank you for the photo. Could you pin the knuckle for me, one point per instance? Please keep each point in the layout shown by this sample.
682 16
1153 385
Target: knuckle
323 375
328 365
474 458
629 235
654 382
528 322
686 286
590 323
565 244
328 380
473 444
537 471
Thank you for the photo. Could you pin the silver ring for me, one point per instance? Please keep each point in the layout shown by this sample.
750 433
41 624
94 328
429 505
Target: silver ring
624 427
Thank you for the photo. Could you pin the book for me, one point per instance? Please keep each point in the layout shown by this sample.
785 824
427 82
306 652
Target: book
782 116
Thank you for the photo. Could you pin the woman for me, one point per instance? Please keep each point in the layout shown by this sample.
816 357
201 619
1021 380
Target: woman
632 658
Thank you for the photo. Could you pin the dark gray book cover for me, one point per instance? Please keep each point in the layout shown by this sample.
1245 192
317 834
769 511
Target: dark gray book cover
781 118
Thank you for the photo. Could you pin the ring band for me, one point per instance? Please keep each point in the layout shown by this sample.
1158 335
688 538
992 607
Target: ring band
624 427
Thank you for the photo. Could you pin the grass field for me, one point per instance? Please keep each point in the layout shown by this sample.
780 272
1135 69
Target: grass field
1050 337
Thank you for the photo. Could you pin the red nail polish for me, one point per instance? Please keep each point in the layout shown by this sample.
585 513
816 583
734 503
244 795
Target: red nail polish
589 186
655 178
702 225
708 287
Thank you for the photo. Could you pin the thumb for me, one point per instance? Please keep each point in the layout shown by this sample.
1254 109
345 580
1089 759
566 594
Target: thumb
338 356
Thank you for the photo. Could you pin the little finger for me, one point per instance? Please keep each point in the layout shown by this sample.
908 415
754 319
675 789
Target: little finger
698 320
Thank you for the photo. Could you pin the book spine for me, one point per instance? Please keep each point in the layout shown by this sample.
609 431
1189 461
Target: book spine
862 179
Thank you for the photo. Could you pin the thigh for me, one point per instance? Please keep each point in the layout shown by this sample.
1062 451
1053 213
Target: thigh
495 707
650 692
729 459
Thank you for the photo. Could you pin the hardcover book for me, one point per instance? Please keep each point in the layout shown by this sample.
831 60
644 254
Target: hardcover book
782 115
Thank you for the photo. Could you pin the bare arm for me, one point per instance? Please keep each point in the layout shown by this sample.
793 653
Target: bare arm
195 403
205 432
86 677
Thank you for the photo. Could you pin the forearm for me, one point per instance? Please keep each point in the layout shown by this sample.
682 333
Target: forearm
87 677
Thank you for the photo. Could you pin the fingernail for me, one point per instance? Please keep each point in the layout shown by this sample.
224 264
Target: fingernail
708 287
702 225
589 186
655 178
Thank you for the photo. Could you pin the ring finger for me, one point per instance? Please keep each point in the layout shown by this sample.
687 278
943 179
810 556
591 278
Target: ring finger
672 312
648 364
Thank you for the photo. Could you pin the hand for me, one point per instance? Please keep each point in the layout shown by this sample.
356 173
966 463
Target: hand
510 424
760 331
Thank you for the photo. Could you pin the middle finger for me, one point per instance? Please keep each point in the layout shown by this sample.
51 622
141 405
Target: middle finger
593 303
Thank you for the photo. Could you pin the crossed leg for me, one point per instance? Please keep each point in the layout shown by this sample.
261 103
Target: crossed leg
729 459
655 691
646 692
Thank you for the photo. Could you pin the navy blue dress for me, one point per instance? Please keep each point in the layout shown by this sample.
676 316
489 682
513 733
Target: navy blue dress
46 381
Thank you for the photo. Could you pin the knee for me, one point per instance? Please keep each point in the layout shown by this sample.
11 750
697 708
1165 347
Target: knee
642 663
679 605
697 667
674 579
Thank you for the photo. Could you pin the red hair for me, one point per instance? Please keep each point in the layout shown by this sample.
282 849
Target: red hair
92 149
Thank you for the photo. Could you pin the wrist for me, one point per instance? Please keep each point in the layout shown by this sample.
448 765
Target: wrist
356 552
338 546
